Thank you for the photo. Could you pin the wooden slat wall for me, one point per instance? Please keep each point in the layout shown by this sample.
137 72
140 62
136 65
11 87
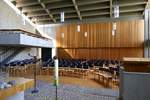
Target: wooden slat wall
103 53
99 42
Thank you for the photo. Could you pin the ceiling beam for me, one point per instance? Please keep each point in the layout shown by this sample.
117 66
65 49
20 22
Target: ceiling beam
26 3
111 4
68 17
74 16
32 9
51 1
57 18
131 10
44 22
131 14
77 10
139 7
48 12
97 6
36 15
97 19
59 5
40 14
85 2
66 9
82 8
40 19
95 14
131 3
92 12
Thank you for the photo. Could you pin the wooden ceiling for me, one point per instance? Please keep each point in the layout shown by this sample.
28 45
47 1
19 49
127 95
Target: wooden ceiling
48 11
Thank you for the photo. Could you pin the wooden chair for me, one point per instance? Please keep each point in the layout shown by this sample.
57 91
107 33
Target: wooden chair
115 82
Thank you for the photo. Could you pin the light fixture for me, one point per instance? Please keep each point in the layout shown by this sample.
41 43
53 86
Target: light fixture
113 32
62 17
62 35
116 9
114 27
85 34
78 28
116 15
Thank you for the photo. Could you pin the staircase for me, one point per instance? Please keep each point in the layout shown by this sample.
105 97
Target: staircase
4 50
9 54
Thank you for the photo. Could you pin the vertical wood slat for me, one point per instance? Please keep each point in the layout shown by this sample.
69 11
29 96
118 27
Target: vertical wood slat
128 34
103 53
99 43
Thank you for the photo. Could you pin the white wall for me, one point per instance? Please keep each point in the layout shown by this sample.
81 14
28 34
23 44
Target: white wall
9 19
24 54
50 30
135 86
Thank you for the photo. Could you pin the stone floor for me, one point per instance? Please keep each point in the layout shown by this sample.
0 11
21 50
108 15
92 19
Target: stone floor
70 92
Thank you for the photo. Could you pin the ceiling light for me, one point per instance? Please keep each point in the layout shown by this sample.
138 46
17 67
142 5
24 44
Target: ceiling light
114 26
78 28
62 35
85 34
113 32
62 15
116 9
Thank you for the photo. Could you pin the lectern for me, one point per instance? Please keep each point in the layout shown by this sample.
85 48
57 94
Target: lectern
136 64
135 79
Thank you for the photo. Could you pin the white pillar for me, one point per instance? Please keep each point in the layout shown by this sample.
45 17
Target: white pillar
39 53
56 76
56 63
147 34
54 49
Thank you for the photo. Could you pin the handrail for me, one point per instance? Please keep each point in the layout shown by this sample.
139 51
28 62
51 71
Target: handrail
6 54
4 51
26 32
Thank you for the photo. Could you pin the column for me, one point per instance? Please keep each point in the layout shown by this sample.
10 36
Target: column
147 33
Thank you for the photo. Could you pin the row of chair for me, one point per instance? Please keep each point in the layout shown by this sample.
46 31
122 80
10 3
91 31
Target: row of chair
20 62
106 79
66 65
70 72
111 66
80 63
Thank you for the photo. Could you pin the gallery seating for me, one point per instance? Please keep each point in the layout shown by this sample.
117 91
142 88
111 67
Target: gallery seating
20 67
103 71
82 67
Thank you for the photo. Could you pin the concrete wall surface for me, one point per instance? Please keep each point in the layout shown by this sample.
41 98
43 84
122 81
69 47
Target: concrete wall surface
136 86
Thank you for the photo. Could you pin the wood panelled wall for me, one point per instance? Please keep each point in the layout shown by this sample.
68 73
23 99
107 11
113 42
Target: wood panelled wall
103 53
99 43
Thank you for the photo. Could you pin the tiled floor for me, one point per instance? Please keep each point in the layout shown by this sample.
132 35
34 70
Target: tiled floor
72 80
87 82
70 92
